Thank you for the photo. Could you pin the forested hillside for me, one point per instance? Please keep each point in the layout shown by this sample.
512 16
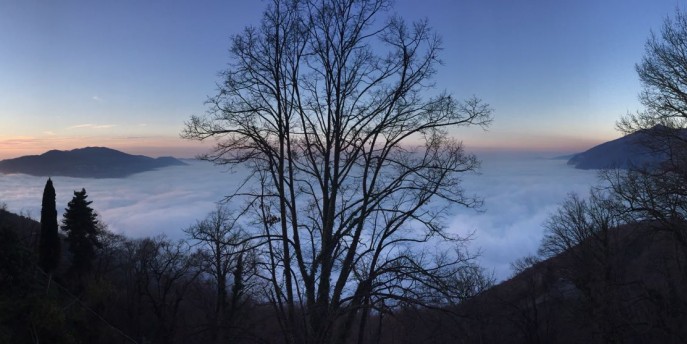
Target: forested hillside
622 287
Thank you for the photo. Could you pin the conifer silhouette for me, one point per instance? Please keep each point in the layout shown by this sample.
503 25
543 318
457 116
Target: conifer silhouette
49 246
81 225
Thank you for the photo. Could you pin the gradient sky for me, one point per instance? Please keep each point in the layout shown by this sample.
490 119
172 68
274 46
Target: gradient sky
127 74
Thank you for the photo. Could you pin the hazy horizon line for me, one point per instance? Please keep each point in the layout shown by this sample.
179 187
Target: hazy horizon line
194 151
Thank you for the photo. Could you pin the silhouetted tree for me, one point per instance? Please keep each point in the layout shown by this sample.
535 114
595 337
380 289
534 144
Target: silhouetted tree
238 288
579 220
334 113
660 193
168 270
656 196
49 246
662 72
581 229
81 225
222 246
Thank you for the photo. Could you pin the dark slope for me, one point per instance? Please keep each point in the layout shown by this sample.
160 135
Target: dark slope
620 153
89 162
26 228
630 290
555 300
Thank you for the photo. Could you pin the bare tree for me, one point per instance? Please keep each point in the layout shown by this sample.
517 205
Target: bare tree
657 195
334 113
523 263
167 271
660 193
582 233
663 74
653 196
223 253
579 220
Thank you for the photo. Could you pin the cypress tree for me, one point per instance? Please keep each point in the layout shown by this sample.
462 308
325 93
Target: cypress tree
81 225
49 245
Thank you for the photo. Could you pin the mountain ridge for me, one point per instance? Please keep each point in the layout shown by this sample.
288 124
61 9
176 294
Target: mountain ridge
87 162
625 152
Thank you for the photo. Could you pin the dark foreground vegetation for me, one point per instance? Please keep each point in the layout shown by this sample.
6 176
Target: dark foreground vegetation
595 281
151 290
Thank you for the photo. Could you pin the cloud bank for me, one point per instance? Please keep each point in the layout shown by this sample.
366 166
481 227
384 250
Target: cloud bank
144 204
520 192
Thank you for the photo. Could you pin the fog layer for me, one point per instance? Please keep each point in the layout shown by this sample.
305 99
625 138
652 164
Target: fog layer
519 191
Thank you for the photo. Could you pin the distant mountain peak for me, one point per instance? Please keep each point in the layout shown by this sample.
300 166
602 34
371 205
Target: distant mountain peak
87 162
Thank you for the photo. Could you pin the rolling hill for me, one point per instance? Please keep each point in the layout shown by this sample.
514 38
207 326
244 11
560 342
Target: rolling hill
625 152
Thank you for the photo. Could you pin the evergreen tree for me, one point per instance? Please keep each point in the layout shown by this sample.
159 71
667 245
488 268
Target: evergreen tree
81 225
49 247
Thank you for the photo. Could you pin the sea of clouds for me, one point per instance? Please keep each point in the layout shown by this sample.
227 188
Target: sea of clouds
520 192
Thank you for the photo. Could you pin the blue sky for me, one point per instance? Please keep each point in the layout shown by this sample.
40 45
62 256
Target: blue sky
127 74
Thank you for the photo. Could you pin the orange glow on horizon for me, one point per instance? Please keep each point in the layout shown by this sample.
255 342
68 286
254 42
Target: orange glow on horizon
12 147
542 143
541 146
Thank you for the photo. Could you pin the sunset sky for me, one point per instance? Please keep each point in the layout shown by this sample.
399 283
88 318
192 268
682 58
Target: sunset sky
127 74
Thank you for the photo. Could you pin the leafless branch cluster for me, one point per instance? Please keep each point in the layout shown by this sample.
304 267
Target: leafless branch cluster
334 112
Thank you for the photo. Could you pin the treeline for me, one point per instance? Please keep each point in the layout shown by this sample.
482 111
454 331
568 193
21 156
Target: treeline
599 277
612 267
80 283
604 273
88 285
